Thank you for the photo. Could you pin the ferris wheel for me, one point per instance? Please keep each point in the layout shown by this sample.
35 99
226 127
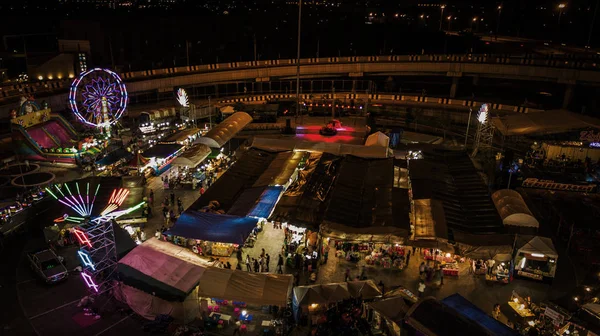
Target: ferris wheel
98 97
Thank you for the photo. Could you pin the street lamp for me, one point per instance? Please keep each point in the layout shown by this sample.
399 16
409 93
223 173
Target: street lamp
472 21
561 7
298 61
498 20
442 16
449 21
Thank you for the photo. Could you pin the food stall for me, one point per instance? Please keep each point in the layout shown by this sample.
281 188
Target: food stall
536 259
448 262
387 255
519 310
502 270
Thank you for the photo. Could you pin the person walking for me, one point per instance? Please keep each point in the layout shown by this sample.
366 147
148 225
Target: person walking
279 269
248 268
422 268
414 248
202 190
408 258
267 262
421 288
347 275
172 198
180 205
262 253
256 265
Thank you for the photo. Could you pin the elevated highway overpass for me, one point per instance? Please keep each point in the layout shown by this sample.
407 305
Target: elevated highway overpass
565 70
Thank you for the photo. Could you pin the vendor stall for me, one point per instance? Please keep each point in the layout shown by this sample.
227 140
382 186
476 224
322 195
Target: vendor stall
536 259
520 311
378 254
388 315
160 157
209 233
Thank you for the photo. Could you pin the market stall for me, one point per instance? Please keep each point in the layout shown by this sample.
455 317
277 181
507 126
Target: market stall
536 259
388 315
519 310
378 254
113 160
160 157
209 233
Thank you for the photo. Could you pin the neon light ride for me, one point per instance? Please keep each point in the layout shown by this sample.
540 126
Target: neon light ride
98 98
182 98
98 253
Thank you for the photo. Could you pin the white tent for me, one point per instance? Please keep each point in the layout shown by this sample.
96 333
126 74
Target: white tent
539 246
513 210
378 139
193 156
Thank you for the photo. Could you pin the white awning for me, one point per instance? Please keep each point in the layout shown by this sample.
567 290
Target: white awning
512 209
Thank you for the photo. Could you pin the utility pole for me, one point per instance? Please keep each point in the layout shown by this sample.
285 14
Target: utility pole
498 21
112 58
442 16
592 25
209 115
187 52
298 61
255 54
468 124
332 102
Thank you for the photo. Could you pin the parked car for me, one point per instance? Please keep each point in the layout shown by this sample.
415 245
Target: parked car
47 265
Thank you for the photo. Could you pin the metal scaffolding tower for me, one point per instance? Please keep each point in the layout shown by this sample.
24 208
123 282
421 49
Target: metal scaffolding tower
485 131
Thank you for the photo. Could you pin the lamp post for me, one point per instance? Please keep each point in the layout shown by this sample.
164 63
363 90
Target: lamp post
449 22
498 20
468 125
298 61
561 7
473 21
592 25
442 16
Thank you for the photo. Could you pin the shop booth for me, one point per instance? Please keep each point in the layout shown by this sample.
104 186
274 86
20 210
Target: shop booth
311 302
209 233
536 259
184 286
113 160
502 265
520 311
160 157
382 246
453 315
188 165
387 316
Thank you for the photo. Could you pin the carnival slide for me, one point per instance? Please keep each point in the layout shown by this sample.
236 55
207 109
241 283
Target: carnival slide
34 142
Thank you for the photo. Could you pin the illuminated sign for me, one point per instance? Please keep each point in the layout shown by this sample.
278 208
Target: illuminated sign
589 136
82 238
86 260
549 184
89 281
595 144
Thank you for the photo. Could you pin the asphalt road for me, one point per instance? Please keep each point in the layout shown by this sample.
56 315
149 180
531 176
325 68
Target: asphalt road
31 307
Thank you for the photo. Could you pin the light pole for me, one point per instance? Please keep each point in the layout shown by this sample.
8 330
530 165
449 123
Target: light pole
498 20
592 25
442 16
298 61
473 21
468 125
449 22
561 7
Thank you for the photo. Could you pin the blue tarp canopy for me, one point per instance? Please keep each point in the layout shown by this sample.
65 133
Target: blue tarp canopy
473 313
213 227
266 203
114 156
161 151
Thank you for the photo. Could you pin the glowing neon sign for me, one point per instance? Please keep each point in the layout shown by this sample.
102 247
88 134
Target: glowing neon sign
86 260
82 238
89 281
116 199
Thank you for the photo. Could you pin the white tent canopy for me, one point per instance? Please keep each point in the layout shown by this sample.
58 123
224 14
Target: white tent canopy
378 139
512 209
227 129
193 156
540 245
